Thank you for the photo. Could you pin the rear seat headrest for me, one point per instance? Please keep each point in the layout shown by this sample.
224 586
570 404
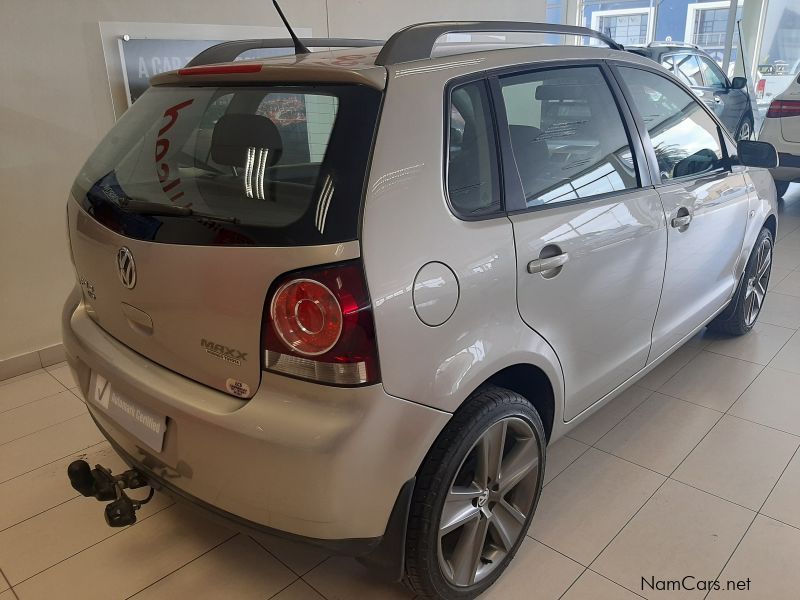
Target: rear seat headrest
235 133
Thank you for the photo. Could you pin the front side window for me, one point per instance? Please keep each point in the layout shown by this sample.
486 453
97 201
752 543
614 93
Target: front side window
472 181
685 138
711 73
567 135
688 69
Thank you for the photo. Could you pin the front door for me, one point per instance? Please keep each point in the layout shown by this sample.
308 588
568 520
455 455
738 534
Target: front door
590 236
706 205
727 103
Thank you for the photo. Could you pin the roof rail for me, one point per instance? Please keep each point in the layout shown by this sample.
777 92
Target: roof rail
416 42
228 51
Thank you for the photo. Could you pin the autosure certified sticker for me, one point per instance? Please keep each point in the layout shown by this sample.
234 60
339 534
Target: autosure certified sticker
238 388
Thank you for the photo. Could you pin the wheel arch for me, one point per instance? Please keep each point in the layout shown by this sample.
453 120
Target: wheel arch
772 224
533 384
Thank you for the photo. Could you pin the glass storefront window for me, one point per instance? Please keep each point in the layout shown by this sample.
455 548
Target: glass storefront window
779 55
639 22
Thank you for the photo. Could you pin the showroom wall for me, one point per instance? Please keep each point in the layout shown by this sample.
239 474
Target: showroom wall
55 105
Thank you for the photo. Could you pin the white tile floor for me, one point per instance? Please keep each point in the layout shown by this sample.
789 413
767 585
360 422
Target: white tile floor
695 471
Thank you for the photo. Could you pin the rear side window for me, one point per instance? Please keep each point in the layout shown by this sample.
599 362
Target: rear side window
567 135
685 138
274 166
472 179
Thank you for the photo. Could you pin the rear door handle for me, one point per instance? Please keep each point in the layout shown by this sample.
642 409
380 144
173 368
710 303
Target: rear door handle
540 265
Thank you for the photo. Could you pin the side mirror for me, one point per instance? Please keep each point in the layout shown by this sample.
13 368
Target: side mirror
757 154
739 83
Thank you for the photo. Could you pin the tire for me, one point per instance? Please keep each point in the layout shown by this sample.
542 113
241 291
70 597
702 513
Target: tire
742 313
745 131
781 187
455 462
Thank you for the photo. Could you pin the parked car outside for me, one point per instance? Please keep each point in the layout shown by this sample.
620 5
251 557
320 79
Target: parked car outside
773 79
360 321
781 128
728 98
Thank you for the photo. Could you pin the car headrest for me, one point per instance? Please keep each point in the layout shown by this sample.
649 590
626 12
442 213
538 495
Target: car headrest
235 134
567 91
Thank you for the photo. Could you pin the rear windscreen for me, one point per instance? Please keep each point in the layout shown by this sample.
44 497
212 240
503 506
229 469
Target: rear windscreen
270 166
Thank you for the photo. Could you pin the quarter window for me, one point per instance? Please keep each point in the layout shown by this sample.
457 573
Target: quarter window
472 181
685 138
567 135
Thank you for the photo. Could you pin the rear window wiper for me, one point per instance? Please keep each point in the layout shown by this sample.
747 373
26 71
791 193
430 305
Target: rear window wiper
144 207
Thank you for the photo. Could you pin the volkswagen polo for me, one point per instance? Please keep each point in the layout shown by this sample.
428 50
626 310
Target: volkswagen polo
351 296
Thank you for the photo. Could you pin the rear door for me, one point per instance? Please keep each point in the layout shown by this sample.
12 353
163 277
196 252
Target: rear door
589 229
706 204
199 198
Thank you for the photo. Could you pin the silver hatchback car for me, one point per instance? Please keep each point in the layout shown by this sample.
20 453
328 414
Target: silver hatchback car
350 296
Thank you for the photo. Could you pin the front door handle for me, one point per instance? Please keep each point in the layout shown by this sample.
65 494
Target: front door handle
540 265
682 219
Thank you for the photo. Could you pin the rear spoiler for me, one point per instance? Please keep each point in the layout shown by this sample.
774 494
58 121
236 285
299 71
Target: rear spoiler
230 51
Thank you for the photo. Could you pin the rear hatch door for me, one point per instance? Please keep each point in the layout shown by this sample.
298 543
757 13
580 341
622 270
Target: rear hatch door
199 198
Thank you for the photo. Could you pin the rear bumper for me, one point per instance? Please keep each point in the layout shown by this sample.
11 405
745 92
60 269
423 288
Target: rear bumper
309 460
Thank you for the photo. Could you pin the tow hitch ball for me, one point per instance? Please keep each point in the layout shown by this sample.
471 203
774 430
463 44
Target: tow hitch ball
100 483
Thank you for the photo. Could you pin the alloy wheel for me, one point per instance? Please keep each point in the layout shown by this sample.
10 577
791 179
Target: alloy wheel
757 283
488 501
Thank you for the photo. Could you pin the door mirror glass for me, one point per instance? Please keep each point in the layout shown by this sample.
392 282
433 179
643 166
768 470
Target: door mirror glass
739 83
757 154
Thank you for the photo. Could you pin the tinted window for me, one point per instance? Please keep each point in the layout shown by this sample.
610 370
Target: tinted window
472 181
262 165
684 136
567 135
688 69
711 73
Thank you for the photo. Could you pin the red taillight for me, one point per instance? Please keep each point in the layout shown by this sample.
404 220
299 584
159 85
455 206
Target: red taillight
318 325
783 108
221 69
306 316
761 87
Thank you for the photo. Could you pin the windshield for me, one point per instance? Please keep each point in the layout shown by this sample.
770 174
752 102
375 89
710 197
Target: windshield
275 165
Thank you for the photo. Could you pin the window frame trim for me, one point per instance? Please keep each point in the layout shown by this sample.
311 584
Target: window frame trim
655 174
515 195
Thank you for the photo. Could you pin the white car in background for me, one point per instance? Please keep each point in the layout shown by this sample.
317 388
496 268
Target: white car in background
781 128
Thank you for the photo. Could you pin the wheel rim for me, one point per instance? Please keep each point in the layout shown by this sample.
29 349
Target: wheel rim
757 283
744 131
488 501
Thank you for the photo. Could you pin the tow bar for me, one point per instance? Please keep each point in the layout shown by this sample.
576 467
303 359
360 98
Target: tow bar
100 483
